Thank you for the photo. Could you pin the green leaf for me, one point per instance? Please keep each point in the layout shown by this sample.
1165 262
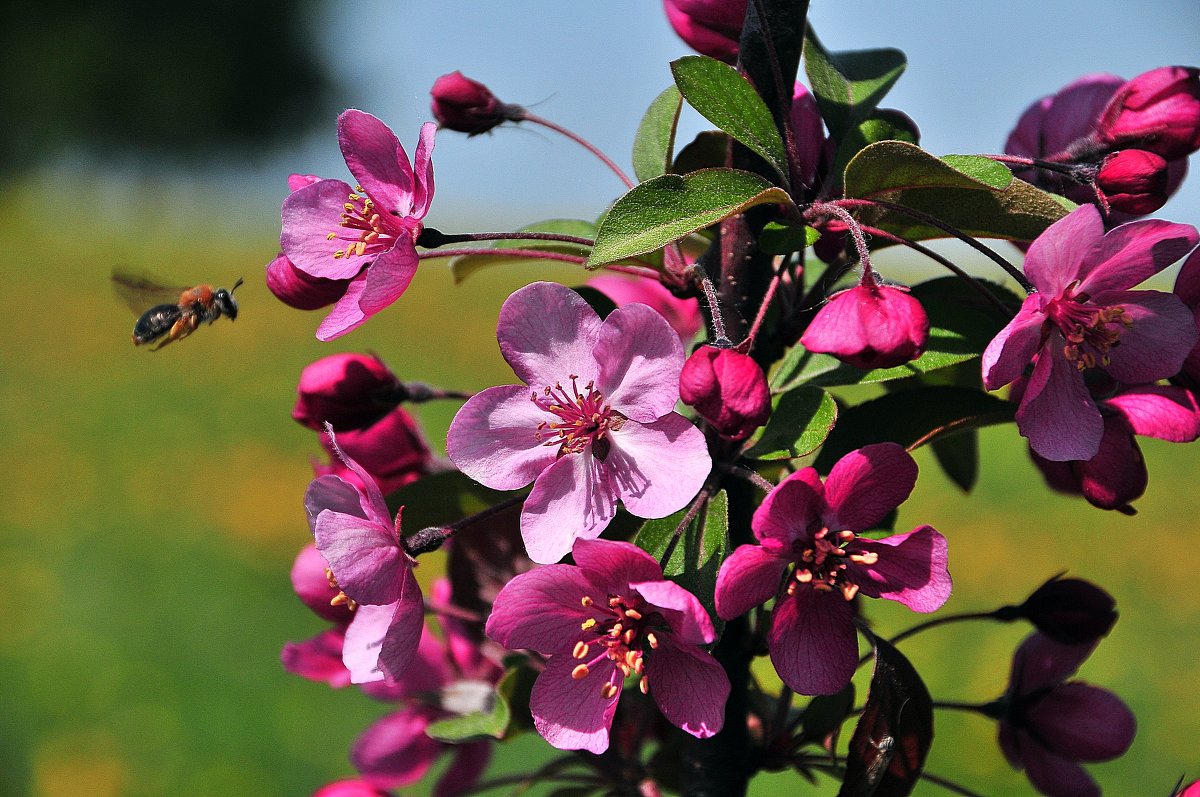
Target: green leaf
883 125
464 266
961 191
655 139
668 207
470 727
849 85
515 688
697 556
958 456
724 97
801 420
783 239
910 417
706 151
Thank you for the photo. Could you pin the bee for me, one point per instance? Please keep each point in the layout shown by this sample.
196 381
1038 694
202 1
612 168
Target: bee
178 311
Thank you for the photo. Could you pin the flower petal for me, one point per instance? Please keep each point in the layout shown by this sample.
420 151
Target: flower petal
911 569
571 499
377 160
467 764
335 494
1057 257
867 484
1163 333
541 610
571 714
1167 413
318 659
640 358
748 578
1133 252
689 621
546 333
813 643
1082 722
1007 355
789 511
690 688
1057 413
615 565
389 276
657 467
346 315
395 751
382 641
309 216
365 558
371 499
493 438
423 171
1052 774
1041 662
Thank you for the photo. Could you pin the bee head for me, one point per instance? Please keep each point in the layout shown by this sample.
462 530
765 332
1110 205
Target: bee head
225 301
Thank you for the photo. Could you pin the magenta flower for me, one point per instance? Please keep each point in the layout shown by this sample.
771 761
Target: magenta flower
1047 726
869 326
349 391
392 450
806 529
682 314
599 424
299 290
349 788
368 233
610 616
1191 790
1134 181
728 389
1084 316
363 547
1157 111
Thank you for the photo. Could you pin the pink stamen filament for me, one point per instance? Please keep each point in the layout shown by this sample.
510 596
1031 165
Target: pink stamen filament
584 418
823 564
622 634
1090 331
367 228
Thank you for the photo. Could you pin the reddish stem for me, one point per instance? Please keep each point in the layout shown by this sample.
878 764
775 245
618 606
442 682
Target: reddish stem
529 117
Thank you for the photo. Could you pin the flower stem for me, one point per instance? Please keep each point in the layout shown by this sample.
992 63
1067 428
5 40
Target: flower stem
432 238
433 537
950 618
856 235
714 306
529 117
754 477
539 254
746 345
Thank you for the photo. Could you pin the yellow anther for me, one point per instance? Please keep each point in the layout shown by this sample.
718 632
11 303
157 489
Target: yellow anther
581 650
868 558
588 623
652 639
580 672
608 691
586 601
644 685
633 614
849 590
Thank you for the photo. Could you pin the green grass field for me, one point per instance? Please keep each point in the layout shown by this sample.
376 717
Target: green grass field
152 507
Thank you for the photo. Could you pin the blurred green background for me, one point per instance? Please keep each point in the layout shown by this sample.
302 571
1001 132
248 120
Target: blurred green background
152 505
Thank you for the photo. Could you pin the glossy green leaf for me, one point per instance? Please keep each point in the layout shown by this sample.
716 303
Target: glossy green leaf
782 239
724 97
667 208
801 420
655 139
464 266
471 727
884 124
849 85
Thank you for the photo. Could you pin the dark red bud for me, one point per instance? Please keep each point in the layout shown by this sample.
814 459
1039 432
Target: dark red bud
869 326
728 389
1133 181
302 291
1071 610
468 106
392 450
1158 111
349 391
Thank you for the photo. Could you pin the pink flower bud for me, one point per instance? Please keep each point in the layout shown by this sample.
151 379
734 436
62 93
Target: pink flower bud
391 450
468 106
349 788
1133 181
711 27
302 291
869 326
311 583
1070 610
350 391
1158 111
728 389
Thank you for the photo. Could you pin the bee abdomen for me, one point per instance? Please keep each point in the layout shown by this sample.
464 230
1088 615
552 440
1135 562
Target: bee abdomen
155 322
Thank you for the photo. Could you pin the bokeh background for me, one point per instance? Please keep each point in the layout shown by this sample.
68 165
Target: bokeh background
151 506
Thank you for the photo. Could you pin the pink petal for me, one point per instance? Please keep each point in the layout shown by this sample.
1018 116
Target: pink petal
335 494
570 499
1167 413
377 160
547 333
365 558
389 276
309 215
748 578
689 621
1163 333
867 484
346 315
1057 257
382 641
1082 722
615 565
395 751
682 314
812 641
374 507
1008 354
1041 662
789 511
1187 283
466 766
571 714
911 569
493 438
1133 252
1075 111
640 358
541 610
1052 774
657 468
1057 413
690 688
1116 476
318 659
423 171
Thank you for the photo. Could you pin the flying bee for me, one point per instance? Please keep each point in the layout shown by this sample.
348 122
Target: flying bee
176 312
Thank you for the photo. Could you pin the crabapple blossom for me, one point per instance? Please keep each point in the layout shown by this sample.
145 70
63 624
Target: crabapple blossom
728 389
1070 610
807 530
598 425
1084 316
392 450
366 233
609 616
711 27
1158 111
349 391
467 106
297 289
682 314
869 326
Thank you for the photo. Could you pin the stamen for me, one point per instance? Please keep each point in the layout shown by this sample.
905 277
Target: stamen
652 639
581 650
608 691
588 623
644 685
587 602
866 558
580 672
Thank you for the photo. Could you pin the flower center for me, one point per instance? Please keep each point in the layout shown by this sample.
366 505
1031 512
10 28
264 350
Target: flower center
365 230
340 598
822 564
583 419
620 634
1090 330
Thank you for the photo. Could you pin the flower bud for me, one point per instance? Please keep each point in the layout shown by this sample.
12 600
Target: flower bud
302 291
391 450
468 106
710 27
1157 111
1133 181
1070 610
350 788
311 584
349 391
869 326
728 389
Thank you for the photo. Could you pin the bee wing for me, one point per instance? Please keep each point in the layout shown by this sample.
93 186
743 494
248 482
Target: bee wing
140 291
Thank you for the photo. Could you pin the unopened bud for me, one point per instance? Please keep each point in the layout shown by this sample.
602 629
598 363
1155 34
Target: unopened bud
1133 181
869 326
468 106
728 389
349 391
1157 111
1070 610
710 27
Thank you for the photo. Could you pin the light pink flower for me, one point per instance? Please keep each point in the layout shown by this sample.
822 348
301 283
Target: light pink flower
598 425
609 616
366 233
808 528
869 326
682 314
1049 724
357 537
728 389
1083 315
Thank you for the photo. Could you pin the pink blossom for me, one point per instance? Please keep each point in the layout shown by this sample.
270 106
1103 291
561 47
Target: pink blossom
392 450
1082 309
468 106
869 326
318 658
349 391
363 546
607 617
710 27
367 233
728 389
599 424
808 528
1133 181
682 314
1050 724
1191 790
